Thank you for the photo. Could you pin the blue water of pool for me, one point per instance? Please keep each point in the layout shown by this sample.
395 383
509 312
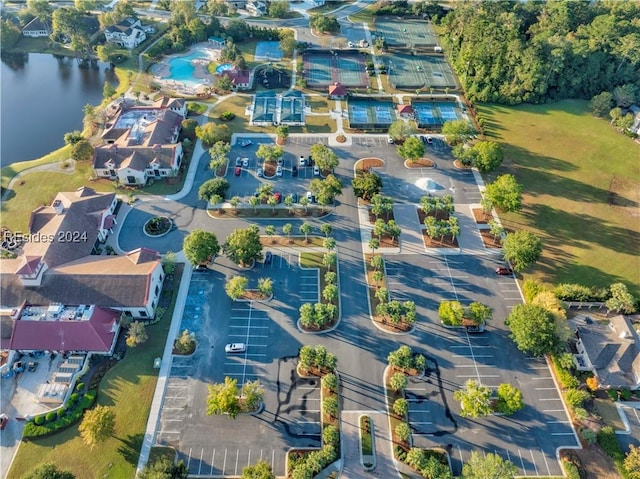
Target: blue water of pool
223 67
181 69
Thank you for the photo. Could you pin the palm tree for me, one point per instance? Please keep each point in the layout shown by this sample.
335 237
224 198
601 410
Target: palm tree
305 229
254 201
270 230
374 244
286 229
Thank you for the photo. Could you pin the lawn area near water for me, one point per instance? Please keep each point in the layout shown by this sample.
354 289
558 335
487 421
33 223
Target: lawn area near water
581 191
128 388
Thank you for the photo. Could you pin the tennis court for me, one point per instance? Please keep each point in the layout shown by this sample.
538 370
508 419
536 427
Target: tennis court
370 114
268 52
430 114
322 69
406 32
411 72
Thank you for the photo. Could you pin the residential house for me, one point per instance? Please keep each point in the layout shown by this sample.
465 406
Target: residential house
264 108
240 79
237 4
285 109
216 42
611 352
142 143
128 33
256 8
337 91
36 28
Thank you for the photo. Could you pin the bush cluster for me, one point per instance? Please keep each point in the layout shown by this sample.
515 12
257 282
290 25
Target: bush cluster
312 463
566 378
71 412
579 292
609 443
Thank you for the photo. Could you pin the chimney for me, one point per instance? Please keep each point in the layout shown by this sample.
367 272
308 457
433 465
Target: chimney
57 206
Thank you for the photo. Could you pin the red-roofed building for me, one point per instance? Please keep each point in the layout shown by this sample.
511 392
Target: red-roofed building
87 329
240 79
405 111
337 91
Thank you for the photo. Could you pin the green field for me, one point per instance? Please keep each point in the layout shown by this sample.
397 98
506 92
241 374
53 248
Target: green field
581 191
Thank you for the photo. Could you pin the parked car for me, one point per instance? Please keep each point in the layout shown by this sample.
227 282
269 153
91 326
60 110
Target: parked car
201 268
245 162
504 271
260 172
238 161
475 329
316 171
294 170
278 196
310 197
245 143
235 348
294 197
280 161
268 256
4 419
310 161
279 171
429 140
237 171
390 140
350 45
302 161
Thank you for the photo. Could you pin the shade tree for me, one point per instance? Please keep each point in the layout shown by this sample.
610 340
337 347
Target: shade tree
522 249
366 185
200 247
243 245
533 329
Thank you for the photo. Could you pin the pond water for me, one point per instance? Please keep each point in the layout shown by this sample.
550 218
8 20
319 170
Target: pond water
42 99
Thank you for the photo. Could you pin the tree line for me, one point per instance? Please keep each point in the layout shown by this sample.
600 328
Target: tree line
514 52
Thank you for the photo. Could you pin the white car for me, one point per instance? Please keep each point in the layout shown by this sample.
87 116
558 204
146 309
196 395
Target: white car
302 161
280 162
316 171
260 172
390 140
350 44
235 348
279 171
245 143
245 162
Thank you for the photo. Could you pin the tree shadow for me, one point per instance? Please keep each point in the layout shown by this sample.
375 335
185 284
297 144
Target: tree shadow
130 448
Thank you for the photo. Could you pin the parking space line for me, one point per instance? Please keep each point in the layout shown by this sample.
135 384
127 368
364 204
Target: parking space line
534 462
213 460
473 356
201 456
545 389
549 399
538 379
474 366
562 434
478 376
189 459
544 456
553 410
558 422
522 462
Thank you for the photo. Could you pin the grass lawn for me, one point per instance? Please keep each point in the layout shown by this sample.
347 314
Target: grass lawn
128 388
581 191
609 413
365 15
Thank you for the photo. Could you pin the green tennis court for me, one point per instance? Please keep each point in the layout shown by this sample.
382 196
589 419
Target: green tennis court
424 71
406 32
324 68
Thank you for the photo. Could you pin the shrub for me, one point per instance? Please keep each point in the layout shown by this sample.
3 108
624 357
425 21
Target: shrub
61 412
576 398
580 413
571 470
400 453
567 380
227 116
38 420
613 394
51 415
625 395
74 397
331 436
79 387
592 383
530 289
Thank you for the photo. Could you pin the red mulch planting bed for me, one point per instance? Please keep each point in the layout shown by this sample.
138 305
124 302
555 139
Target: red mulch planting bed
373 218
489 240
387 241
458 164
419 163
435 243
387 325
269 169
480 216
365 164
440 215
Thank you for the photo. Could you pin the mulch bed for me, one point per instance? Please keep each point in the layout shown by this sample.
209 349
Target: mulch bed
480 216
364 164
489 240
420 163
387 325
439 215
387 241
249 212
458 164
436 243
253 295
269 169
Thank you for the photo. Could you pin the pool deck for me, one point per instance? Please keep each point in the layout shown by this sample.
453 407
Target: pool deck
162 70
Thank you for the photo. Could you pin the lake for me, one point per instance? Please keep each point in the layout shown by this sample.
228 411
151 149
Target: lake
42 99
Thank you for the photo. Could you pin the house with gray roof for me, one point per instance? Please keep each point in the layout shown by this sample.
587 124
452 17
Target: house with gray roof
611 352
292 106
142 143
36 28
264 108
285 109
128 33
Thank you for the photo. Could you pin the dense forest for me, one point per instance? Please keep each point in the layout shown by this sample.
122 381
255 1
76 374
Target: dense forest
512 52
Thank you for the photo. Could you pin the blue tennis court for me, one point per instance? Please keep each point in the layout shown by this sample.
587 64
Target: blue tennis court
268 52
430 114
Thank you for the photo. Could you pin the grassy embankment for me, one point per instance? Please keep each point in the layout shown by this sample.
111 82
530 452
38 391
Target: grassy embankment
581 191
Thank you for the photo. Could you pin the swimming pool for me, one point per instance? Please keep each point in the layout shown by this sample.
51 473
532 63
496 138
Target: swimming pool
182 68
223 68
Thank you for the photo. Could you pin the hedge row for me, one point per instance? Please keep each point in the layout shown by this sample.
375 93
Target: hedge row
53 421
